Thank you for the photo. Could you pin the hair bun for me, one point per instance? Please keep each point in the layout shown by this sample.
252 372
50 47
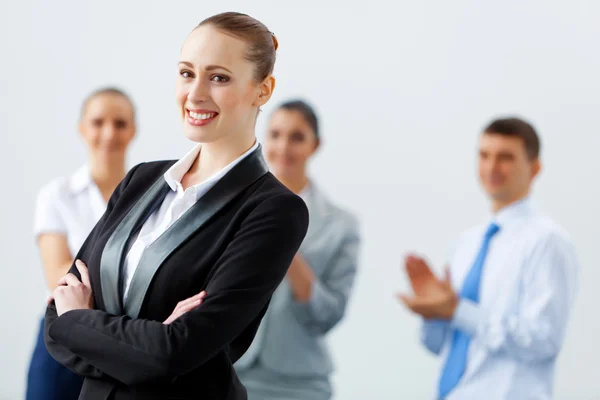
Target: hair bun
275 42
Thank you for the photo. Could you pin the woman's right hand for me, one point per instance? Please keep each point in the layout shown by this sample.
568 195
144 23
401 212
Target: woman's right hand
185 306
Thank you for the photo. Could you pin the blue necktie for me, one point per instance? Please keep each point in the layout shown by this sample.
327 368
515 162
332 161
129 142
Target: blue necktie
457 357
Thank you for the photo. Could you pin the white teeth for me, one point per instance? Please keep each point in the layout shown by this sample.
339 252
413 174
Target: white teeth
201 116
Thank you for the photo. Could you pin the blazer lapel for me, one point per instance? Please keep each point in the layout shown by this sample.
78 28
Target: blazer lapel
225 190
113 254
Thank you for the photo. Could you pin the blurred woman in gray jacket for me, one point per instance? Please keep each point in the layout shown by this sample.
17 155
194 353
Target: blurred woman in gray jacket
289 359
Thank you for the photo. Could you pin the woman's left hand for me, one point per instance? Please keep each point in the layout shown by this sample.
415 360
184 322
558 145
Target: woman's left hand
301 278
72 294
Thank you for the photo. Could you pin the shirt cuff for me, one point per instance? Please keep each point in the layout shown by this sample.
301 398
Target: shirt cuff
467 316
313 313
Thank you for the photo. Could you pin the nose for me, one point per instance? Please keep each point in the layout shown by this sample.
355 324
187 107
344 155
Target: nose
109 132
493 165
282 145
198 92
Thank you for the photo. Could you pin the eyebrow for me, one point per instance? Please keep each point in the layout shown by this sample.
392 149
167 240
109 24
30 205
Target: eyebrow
207 68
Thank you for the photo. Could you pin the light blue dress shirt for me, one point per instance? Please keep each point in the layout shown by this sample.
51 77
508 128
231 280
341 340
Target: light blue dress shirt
526 294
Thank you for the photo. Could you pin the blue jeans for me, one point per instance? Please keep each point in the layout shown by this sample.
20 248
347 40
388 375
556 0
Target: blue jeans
47 379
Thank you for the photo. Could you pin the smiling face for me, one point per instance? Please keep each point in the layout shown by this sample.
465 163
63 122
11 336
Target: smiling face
107 125
289 144
506 172
217 93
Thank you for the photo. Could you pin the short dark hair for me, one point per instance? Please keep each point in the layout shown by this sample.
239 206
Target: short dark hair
307 112
517 127
107 90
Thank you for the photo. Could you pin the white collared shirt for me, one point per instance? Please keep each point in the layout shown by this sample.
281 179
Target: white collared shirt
175 204
70 206
526 295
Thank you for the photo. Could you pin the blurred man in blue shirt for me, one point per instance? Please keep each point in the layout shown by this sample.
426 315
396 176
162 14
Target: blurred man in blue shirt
498 318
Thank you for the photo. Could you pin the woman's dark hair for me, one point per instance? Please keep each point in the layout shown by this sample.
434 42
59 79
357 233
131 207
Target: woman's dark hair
107 90
308 113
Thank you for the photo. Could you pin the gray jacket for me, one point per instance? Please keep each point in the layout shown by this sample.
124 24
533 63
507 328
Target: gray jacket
290 339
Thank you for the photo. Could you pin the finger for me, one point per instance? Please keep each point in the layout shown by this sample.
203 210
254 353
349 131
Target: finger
420 278
404 298
189 304
49 300
57 292
423 306
409 261
411 303
182 310
189 307
195 297
417 267
422 266
447 277
411 266
62 281
190 300
83 271
69 280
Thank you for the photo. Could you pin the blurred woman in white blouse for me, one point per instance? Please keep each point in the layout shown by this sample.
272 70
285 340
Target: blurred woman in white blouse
66 211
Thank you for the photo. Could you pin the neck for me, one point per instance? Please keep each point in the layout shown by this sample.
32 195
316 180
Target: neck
107 173
296 183
217 155
499 204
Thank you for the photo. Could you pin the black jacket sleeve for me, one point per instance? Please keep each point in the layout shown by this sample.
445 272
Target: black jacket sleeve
135 351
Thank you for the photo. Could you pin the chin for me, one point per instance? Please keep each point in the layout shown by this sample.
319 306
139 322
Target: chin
499 195
285 172
199 135
108 153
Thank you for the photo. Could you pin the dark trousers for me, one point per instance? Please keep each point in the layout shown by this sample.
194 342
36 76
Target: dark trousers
47 379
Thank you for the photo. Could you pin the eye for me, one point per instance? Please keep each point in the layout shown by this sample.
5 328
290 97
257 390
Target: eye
97 122
185 73
298 137
120 124
273 133
506 156
219 78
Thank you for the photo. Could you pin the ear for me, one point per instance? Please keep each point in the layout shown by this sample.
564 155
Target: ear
266 91
536 167
317 144
134 134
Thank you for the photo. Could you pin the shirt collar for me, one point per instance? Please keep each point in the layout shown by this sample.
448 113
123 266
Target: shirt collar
305 192
81 179
175 174
513 212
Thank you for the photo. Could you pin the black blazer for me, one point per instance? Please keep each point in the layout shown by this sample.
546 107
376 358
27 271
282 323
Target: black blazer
236 243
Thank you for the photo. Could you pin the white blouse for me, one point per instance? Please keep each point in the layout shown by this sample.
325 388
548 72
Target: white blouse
175 204
70 206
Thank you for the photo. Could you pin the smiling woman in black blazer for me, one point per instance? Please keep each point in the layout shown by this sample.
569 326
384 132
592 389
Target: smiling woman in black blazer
215 221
